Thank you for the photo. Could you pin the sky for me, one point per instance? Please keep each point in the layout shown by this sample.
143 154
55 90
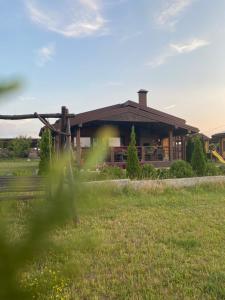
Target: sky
87 54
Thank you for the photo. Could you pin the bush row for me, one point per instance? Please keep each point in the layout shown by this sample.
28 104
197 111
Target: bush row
179 169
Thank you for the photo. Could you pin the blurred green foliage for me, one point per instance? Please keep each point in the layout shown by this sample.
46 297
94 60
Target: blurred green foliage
45 152
9 86
53 210
56 209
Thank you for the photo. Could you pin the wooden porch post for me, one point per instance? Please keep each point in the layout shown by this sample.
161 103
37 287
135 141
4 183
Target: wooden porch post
78 145
72 141
112 155
171 144
142 153
183 147
221 146
57 145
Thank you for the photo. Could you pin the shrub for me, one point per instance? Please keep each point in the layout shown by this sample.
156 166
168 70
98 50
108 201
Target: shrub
198 160
5 153
19 147
112 173
148 172
181 169
133 165
212 169
163 173
222 169
45 152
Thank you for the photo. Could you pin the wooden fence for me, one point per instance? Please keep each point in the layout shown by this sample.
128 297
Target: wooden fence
21 188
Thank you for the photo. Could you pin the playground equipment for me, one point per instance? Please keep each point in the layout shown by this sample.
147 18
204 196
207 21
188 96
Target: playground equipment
218 156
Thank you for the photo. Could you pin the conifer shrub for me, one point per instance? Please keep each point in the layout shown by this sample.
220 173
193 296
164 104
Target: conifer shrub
45 152
198 160
181 169
133 165
191 145
189 149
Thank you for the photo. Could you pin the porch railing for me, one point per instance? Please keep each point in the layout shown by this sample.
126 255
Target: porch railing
145 154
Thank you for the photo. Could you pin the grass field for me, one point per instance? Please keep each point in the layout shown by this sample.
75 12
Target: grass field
151 245
18 167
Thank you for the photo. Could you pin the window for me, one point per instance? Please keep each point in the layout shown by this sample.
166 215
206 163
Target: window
114 142
85 142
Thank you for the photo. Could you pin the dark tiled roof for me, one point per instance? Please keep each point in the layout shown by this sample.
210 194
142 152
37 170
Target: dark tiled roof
130 108
218 135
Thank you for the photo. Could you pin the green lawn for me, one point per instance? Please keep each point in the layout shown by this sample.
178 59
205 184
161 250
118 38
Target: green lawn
18 167
151 245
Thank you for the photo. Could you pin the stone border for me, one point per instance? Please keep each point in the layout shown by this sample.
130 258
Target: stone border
164 183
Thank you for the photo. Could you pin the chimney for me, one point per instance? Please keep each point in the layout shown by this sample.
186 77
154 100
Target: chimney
143 97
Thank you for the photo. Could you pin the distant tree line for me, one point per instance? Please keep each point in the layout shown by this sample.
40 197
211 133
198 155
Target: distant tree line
16 148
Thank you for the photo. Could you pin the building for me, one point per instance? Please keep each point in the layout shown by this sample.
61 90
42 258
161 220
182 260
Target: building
160 136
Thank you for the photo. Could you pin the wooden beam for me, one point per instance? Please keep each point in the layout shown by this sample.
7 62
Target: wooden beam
112 154
34 116
72 141
78 145
183 147
57 147
171 144
63 127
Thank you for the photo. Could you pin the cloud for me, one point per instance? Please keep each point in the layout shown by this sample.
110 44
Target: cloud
170 106
177 49
169 15
159 60
9 129
45 54
189 47
70 18
131 36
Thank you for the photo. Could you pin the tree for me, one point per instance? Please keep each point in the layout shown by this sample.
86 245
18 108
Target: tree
189 149
198 160
133 165
20 147
45 152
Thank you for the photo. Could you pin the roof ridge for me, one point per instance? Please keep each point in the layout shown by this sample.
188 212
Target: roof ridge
152 110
